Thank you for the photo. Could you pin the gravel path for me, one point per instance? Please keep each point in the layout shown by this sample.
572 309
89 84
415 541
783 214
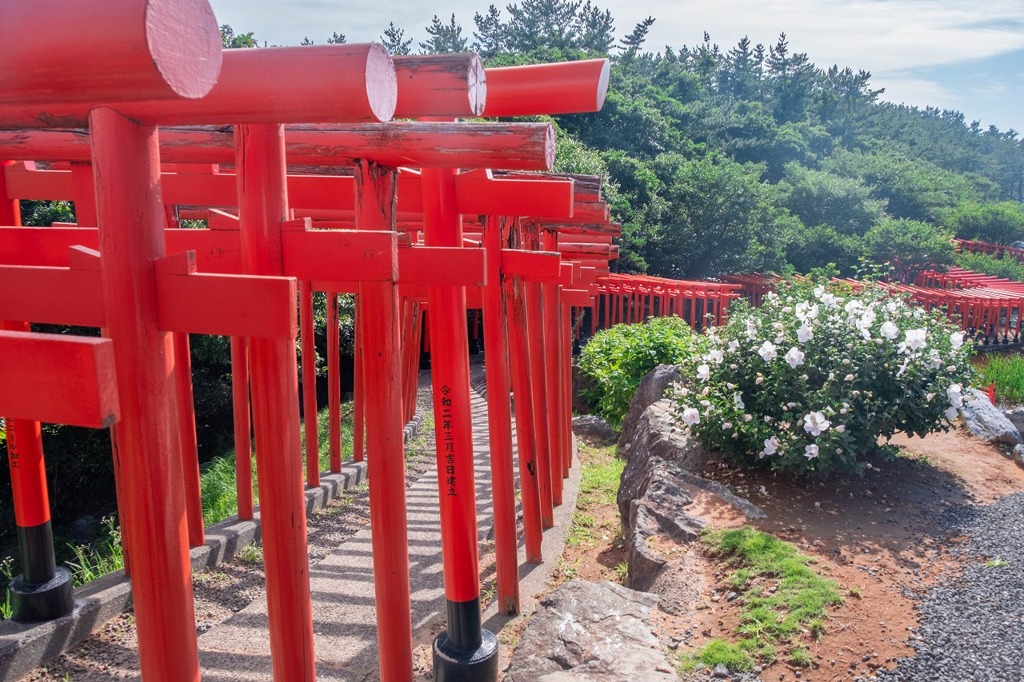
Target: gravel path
973 626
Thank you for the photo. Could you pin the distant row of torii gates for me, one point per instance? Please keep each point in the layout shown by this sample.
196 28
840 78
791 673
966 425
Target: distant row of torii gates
123 125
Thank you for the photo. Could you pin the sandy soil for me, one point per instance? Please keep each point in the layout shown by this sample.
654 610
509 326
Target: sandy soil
883 538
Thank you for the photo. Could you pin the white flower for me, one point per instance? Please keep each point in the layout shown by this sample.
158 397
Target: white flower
955 395
703 372
841 428
819 290
951 413
815 423
956 339
849 377
759 380
889 330
804 333
751 330
716 356
734 346
853 308
737 400
726 425
747 417
930 397
915 339
771 446
811 451
829 300
934 359
767 351
691 416
806 311
794 357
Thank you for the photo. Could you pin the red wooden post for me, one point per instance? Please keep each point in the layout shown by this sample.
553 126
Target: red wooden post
538 399
552 349
127 166
465 636
243 426
334 381
377 317
499 421
263 204
10 210
358 389
309 413
85 194
188 448
526 435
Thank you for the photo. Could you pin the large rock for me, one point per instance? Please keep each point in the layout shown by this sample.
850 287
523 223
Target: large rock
652 388
1016 417
656 436
1018 455
592 426
986 421
591 632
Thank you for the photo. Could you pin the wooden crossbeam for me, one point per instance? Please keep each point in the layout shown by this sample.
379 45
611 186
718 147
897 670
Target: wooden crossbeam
58 379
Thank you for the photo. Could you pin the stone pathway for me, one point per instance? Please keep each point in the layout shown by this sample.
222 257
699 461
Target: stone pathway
342 589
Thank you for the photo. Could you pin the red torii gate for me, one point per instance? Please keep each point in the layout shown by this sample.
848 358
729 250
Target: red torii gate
264 158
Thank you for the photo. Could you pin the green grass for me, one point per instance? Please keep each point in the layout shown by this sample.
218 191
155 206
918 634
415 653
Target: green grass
1007 372
104 556
797 606
599 484
217 477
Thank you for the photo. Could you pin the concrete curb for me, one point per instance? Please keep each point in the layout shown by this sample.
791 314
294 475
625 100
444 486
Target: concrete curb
24 647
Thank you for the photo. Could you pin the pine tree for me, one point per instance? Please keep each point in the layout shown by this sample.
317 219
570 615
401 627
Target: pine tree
632 43
337 39
394 40
444 37
489 36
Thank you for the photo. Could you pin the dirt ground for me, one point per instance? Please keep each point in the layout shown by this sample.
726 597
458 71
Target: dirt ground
883 538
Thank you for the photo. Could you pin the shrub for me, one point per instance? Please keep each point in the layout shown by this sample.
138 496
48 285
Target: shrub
618 358
809 382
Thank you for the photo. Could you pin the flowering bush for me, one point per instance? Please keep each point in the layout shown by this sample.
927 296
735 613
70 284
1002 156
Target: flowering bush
813 378
618 358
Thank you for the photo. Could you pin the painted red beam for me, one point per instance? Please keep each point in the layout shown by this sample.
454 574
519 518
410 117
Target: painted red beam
58 379
108 51
539 89
520 146
312 84
441 85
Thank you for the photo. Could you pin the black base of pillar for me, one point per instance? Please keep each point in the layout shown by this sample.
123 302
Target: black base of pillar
451 665
36 603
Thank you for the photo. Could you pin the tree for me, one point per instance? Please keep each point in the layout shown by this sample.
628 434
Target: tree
230 40
595 29
535 24
997 223
908 246
444 37
336 39
820 198
489 36
306 41
632 43
394 40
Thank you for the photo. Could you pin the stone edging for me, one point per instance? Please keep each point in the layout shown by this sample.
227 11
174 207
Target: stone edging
24 647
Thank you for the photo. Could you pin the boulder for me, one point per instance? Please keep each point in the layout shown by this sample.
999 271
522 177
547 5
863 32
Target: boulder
592 426
591 632
1018 455
656 436
652 388
1016 417
986 421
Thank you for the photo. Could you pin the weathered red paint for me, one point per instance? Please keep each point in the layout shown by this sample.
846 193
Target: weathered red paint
127 168
448 85
242 426
131 49
499 421
377 314
263 204
188 448
309 409
314 84
334 382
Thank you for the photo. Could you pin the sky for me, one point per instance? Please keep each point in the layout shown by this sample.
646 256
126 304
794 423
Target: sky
966 55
